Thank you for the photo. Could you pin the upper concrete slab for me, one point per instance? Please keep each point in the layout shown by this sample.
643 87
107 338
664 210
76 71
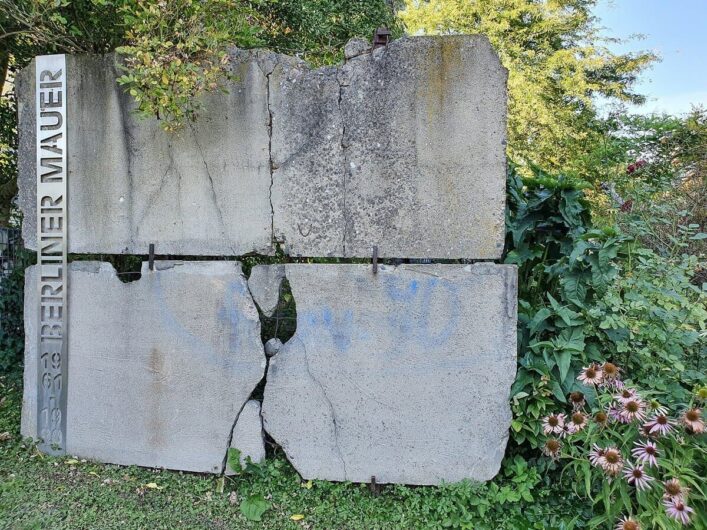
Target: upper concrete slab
159 368
402 148
202 191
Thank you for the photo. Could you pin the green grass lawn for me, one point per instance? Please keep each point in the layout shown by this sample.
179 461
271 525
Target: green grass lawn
37 491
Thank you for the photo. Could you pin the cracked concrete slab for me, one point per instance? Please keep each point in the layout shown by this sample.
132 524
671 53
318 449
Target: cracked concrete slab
402 147
248 435
202 191
159 368
404 375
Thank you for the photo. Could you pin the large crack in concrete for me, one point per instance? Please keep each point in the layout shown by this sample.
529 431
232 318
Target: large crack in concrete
332 411
343 146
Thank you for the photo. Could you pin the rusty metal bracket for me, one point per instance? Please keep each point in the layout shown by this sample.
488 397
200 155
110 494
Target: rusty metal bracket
374 259
151 257
375 488
381 37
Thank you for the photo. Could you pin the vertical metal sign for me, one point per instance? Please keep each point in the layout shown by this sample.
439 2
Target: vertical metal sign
52 227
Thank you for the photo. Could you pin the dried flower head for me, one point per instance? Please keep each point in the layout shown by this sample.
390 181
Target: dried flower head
601 418
578 421
646 452
591 375
610 371
636 475
672 489
692 419
577 400
659 425
554 424
552 448
612 462
678 510
626 523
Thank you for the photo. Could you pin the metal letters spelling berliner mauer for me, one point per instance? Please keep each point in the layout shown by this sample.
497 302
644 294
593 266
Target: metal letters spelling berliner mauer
52 226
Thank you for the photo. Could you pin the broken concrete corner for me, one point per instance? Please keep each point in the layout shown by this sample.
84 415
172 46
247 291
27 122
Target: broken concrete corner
248 435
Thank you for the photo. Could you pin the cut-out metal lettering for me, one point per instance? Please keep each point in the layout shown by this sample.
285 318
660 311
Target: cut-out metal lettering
52 227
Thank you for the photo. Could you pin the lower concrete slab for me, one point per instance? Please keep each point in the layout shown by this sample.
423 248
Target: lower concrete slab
159 368
404 375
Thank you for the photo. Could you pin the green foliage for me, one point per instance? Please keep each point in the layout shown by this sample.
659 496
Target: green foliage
317 30
655 169
589 295
254 507
176 51
8 156
557 63
12 332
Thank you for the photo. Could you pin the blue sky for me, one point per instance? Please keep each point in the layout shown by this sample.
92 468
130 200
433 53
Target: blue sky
674 29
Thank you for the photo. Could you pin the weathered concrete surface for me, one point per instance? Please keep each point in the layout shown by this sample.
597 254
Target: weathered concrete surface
248 435
402 148
404 375
204 191
420 125
158 368
308 160
264 284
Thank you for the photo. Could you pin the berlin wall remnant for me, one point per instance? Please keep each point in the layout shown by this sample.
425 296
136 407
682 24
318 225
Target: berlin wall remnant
402 148
159 367
404 376
398 373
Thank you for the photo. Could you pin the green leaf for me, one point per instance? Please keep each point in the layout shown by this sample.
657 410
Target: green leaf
254 507
234 460
563 359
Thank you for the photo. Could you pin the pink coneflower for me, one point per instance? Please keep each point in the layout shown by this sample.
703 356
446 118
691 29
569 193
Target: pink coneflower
612 462
626 394
596 455
674 490
635 475
591 375
577 400
646 452
552 448
614 412
633 409
678 510
577 423
660 424
626 523
692 419
553 424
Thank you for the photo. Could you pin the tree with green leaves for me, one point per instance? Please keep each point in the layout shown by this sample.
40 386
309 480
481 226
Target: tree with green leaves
558 63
